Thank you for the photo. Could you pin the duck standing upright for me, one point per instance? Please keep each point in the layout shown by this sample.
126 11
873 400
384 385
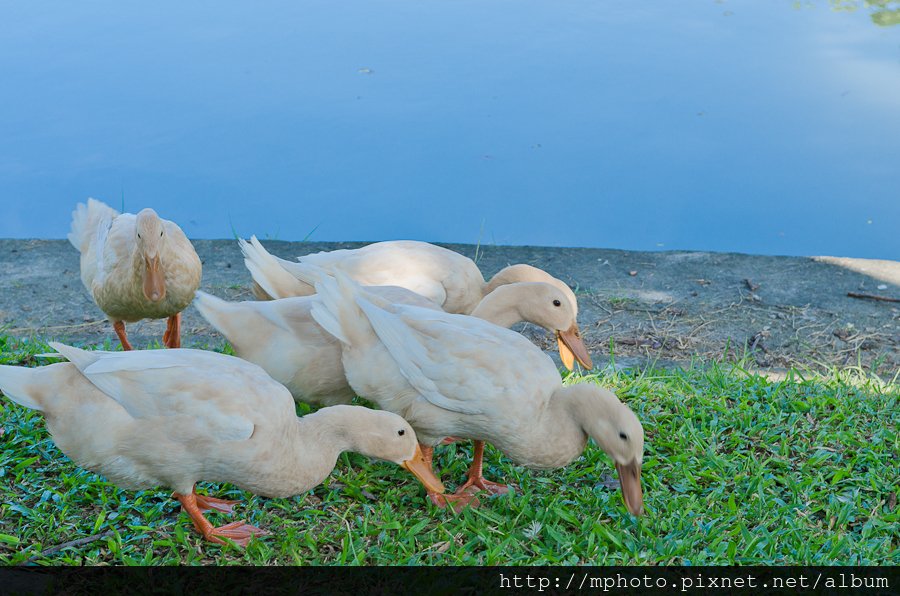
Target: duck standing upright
452 375
174 417
135 266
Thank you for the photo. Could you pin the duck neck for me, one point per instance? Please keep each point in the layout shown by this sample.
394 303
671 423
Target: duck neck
514 274
318 439
501 306
306 451
558 437
336 429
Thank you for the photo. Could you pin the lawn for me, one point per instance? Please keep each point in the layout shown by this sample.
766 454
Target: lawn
738 469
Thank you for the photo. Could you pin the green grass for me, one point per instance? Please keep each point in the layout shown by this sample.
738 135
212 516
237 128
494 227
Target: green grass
737 469
621 301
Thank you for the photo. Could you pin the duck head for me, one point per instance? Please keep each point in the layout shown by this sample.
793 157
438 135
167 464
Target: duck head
387 436
617 431
543 300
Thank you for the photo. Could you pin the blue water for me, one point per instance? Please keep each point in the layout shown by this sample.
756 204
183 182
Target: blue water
757 126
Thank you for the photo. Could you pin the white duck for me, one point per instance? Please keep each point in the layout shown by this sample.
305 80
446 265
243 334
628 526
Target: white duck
175 417
135 266
447 278
452 375
282 337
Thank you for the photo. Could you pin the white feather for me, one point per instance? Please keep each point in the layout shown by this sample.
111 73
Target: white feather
410 356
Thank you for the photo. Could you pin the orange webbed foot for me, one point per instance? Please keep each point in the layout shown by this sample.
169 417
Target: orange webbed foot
205 504
457 501
239 532
480 483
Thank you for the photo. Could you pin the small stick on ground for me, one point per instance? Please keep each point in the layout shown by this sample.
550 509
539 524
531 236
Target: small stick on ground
872 297
59 547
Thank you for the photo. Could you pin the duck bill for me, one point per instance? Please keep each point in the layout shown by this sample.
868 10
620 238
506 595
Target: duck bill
421 469
630 479
154 280
571 348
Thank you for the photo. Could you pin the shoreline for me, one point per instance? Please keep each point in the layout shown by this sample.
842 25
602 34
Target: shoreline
663 307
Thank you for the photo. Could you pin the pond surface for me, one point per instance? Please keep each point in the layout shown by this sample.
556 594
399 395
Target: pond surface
756 126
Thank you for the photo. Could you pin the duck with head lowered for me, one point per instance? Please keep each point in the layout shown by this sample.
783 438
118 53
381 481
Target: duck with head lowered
453 375
282 337
175 417
135 266
450 280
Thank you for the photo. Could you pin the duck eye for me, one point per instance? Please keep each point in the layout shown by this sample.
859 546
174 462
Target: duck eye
623 436
139 235
557 303
160 233
401 432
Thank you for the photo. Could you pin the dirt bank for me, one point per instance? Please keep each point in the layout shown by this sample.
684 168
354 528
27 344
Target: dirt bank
665 306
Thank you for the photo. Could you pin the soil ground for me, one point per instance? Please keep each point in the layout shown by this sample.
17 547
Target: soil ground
664 307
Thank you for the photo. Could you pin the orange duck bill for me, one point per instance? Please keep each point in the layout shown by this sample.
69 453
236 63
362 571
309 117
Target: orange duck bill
571 348
630 479
419 467
154 280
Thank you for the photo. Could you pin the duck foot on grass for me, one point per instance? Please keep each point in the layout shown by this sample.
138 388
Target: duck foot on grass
205 503
456 501
239 532
476 478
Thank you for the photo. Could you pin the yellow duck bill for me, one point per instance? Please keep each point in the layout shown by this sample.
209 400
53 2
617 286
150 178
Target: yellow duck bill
422 470
572 348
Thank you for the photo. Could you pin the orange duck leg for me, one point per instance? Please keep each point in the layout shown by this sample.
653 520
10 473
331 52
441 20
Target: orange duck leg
456 501
172 336
238 532
119 327
476 478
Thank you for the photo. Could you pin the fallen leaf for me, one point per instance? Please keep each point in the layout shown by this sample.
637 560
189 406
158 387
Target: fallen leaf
441 547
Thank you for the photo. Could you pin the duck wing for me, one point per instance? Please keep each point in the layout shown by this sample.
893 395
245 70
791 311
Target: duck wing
223 395
460 363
